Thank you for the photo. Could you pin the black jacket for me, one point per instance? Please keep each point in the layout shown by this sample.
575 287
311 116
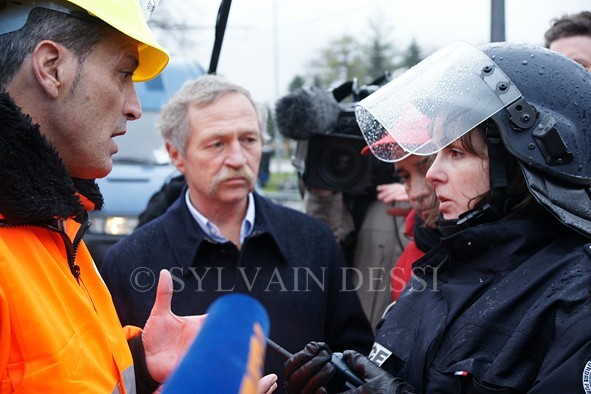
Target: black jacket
290 263
500 307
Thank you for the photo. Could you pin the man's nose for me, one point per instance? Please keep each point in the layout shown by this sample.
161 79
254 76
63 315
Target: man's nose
236 156
132 108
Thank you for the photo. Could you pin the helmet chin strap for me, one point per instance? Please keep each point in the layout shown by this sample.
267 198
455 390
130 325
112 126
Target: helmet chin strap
497 205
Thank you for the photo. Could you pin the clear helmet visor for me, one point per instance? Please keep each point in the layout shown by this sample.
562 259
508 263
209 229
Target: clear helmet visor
434 103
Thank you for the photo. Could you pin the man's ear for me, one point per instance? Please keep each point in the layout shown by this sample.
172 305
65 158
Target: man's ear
175 156
48 60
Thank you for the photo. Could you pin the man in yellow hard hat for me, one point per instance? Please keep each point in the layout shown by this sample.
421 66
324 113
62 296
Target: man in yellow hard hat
66 90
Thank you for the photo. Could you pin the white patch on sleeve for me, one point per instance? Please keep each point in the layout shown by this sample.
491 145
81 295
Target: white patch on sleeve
586 374
380 354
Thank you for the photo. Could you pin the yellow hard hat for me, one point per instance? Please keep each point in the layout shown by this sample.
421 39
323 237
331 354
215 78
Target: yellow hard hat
126 16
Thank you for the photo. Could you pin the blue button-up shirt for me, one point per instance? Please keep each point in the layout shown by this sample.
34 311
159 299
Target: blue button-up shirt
212 230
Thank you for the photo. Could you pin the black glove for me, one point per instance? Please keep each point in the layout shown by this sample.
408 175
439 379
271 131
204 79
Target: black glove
376 380
309 370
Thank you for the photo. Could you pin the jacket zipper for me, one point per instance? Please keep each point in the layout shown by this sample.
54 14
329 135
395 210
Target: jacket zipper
71 246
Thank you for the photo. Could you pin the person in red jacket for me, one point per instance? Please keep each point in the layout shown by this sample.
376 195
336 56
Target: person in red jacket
421 227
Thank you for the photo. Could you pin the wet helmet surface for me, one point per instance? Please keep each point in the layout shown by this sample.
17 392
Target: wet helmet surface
558 141
553 140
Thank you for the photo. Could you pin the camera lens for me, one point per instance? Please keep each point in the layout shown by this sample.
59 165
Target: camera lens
334 162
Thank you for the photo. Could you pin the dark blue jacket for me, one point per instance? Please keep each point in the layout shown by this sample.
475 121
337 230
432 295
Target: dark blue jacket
497 308
291 263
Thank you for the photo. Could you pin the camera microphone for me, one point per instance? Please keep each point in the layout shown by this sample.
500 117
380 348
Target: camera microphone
306 112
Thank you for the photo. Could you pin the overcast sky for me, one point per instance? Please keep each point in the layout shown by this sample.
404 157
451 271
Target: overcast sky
268 42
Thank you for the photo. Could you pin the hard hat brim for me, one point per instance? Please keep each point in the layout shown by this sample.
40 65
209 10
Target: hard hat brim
127 17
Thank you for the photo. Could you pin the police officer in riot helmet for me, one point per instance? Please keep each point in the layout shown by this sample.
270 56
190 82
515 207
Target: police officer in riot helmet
501 304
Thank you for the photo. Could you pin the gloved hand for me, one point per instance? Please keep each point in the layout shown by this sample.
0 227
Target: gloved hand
309 370
376 380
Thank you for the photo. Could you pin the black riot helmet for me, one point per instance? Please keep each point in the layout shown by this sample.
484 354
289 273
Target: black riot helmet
539 101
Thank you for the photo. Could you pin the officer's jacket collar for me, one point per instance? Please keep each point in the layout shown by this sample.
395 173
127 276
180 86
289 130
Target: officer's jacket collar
477 251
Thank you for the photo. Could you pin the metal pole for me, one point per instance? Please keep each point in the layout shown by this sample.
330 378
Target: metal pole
278 137
220 30
497 20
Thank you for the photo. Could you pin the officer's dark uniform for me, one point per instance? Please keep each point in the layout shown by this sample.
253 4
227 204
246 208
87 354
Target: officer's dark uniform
502 304
495 315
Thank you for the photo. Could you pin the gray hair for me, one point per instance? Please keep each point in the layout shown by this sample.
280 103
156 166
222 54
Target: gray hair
78 35
174 123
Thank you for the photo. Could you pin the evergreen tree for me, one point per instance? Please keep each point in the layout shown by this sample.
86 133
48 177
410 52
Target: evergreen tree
297 82
412 55
380 51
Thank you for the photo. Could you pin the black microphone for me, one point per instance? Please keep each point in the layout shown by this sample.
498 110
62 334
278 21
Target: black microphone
305 112
348 378
351 380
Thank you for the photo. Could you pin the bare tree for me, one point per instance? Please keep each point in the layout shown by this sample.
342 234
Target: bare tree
346 58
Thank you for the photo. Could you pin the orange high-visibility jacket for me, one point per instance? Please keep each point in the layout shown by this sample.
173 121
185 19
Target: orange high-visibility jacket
57 334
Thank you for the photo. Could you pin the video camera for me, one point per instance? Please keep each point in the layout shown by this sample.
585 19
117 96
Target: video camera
328 152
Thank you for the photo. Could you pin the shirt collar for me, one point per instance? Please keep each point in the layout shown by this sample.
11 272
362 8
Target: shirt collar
213 231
